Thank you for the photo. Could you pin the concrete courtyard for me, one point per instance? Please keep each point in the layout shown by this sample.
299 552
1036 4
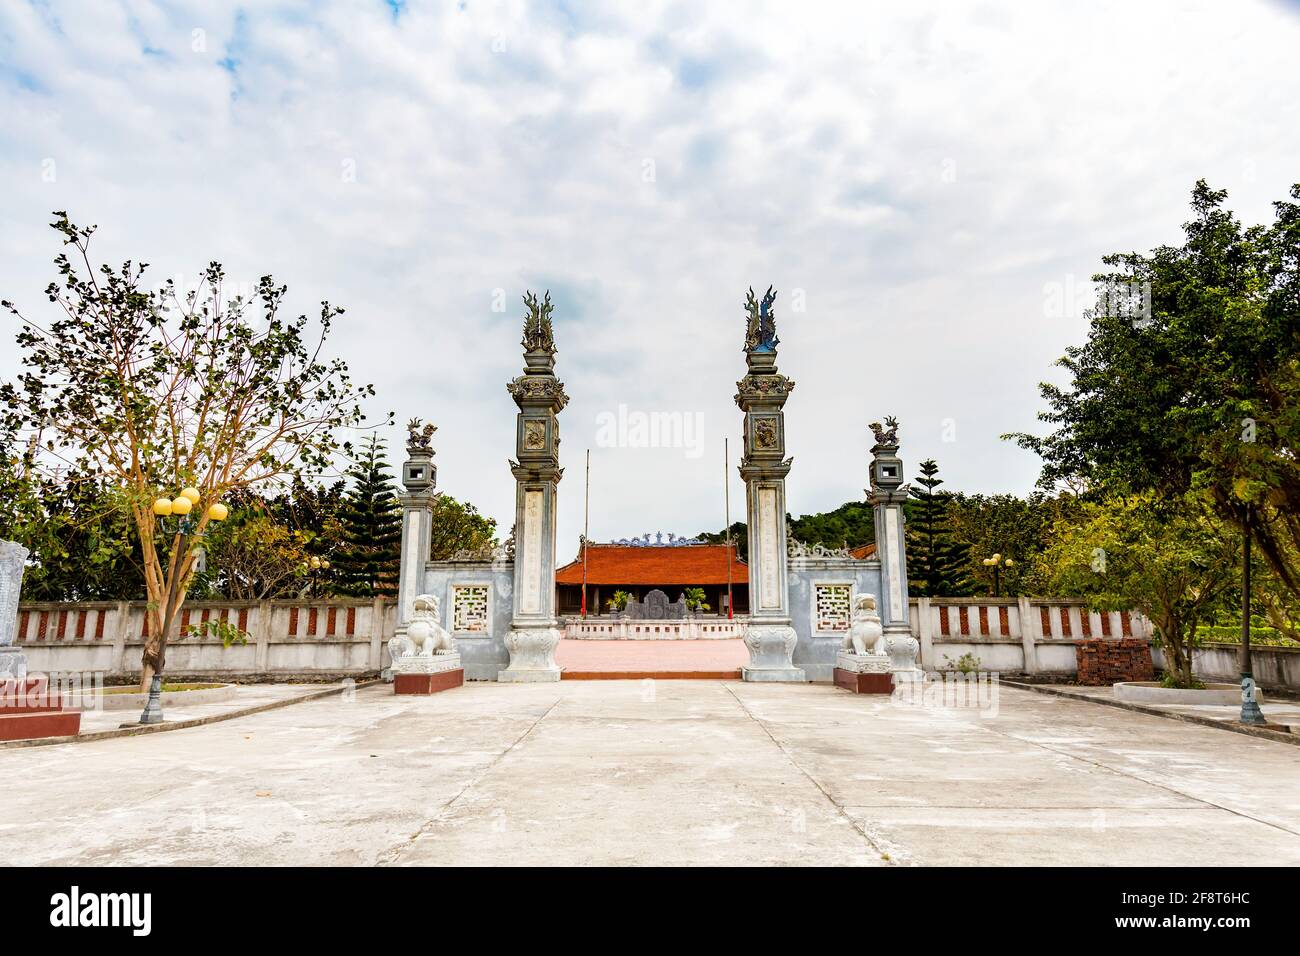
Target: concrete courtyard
665 772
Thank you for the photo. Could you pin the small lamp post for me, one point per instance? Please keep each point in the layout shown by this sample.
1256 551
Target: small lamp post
997 563
180 508
316 565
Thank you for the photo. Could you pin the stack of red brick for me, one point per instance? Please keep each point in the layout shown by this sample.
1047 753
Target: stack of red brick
1102 662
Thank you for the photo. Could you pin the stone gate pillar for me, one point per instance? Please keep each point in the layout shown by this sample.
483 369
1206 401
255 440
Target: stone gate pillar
539 395
761 395
887 496
419 478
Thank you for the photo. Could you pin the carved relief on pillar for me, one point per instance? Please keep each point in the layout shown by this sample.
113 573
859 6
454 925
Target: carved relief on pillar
530 594
769 551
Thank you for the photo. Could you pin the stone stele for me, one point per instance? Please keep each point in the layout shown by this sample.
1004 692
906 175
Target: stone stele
13 560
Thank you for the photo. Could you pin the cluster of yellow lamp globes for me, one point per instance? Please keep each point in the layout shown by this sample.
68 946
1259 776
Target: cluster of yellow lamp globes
997 560
183 503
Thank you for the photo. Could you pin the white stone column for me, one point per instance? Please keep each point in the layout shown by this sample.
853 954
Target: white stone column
420 478
1028 634
762 395
887 496
534 629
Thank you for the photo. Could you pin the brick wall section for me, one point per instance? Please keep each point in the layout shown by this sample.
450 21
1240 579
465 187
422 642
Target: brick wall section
1104 662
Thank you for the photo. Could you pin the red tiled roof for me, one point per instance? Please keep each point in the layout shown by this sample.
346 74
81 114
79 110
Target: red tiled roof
863 552
697 564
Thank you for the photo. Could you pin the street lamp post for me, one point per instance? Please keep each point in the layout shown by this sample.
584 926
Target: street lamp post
180 508
997 563
1250 712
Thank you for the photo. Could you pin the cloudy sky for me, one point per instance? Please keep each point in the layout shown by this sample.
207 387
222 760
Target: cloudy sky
923 184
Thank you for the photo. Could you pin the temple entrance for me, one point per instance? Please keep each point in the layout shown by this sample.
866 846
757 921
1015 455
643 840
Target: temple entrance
656 607
651 607
649 578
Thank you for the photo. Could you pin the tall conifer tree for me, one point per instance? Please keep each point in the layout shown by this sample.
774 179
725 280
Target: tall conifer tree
936 564
370 558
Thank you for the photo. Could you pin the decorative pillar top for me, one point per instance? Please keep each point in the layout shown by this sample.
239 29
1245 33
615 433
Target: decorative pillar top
762 393
539 395
419 473
538 387
886 467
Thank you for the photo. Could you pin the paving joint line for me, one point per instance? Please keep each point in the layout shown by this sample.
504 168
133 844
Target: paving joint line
1133 776
1237 728
143 729
882 852
389 856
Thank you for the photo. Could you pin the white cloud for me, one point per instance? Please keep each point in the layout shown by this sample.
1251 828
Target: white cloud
921 174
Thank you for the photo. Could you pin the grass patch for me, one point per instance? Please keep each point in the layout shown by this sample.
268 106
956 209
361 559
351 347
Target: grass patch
167 688
1231 634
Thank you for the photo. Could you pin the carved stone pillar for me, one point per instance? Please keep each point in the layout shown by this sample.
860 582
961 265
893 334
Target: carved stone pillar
887 495
761 395
419 477
534 633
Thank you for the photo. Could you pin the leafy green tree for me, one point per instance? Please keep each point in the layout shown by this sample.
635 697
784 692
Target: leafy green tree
936 563
739 537
151 391
82 547
370 558
1168 560
1200 391
251 556
458 527
1015 527
852 524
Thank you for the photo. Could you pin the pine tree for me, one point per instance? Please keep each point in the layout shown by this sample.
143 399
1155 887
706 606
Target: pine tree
936 564
370 558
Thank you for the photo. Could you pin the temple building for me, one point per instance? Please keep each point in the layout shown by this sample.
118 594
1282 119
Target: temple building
643 565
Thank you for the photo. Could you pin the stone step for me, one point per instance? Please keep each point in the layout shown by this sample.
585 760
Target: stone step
661 660
650 675
12 706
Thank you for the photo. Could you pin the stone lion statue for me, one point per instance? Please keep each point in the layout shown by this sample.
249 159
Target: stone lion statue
866 635
425 635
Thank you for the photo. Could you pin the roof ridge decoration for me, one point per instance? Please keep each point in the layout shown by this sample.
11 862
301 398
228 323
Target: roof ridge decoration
674 541
797 549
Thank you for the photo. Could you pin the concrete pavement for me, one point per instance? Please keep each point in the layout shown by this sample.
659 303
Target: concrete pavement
671 772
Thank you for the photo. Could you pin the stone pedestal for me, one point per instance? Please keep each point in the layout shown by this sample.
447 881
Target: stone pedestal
534 629
770 647
761 395
863 673
532 655
13 664
427 675
902 648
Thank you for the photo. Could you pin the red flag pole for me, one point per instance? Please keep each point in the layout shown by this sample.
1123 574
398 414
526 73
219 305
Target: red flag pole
726 497
586 528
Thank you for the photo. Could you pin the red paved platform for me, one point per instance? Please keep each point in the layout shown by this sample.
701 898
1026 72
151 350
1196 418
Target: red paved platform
660 660
28 710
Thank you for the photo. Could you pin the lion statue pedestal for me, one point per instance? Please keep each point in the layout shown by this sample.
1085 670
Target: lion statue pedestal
424 657
862 666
